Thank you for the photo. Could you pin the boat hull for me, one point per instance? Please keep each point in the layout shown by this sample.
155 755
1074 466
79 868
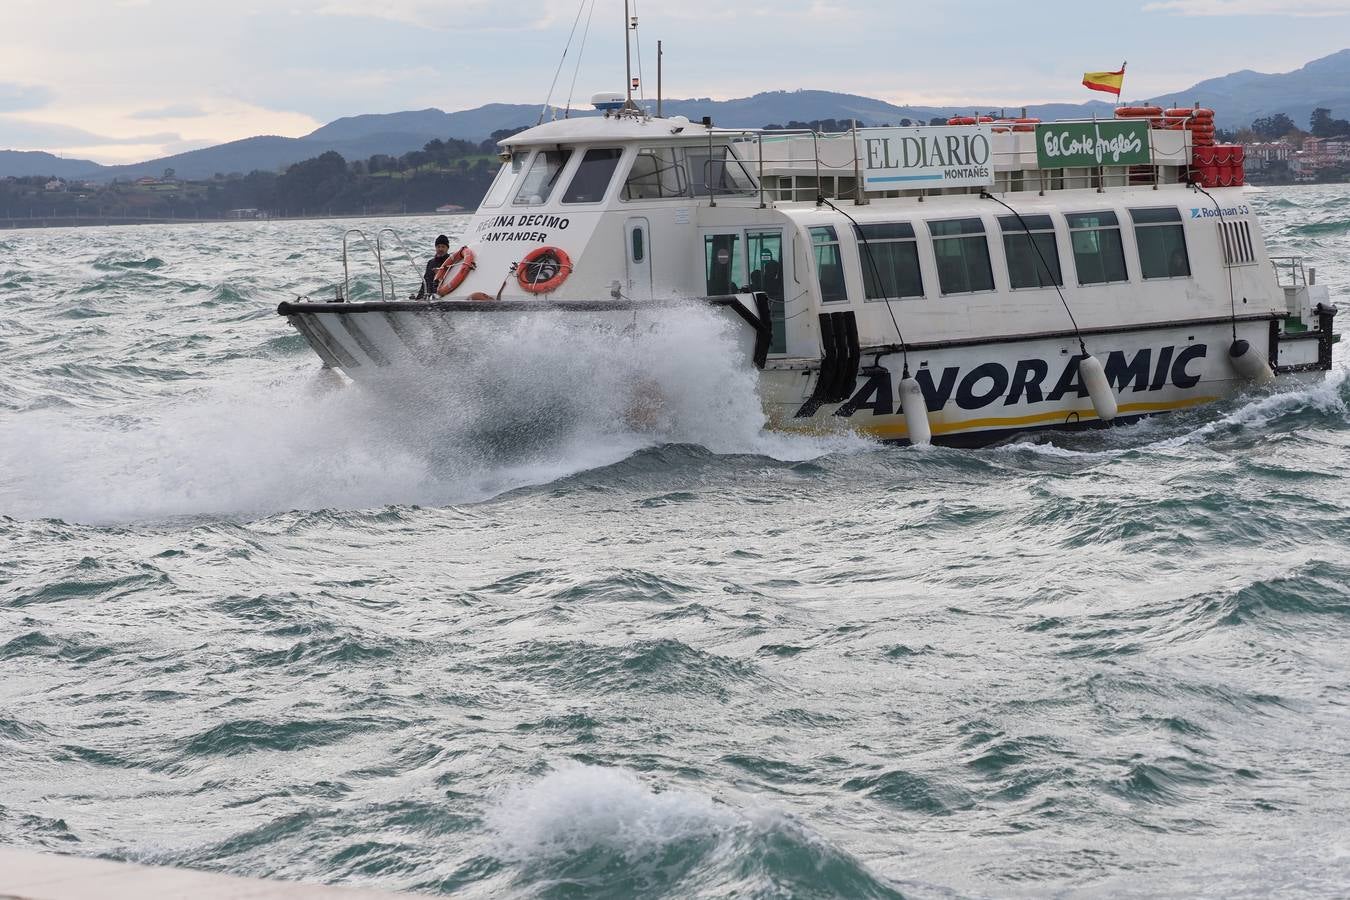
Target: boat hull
977 392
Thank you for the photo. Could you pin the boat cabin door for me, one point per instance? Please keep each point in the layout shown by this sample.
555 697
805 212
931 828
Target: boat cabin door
748 260
638 258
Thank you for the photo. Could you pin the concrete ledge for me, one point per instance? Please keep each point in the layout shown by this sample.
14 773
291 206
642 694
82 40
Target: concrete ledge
25 875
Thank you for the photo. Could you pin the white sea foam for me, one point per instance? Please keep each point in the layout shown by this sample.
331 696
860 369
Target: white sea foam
1159 433
576 808
524 403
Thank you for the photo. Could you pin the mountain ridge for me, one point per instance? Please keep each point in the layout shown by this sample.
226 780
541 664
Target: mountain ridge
1238 97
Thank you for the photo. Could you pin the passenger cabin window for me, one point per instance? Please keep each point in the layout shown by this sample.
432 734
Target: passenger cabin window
591 181
890 261
962 253
829 264
540 179
1098 254
717 172
1162 243
725 265
1033 257
657 174
766 274
506 179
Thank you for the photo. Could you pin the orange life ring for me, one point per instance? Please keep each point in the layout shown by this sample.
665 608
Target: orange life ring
446 281
1138 112
969 120
543 269
1188 113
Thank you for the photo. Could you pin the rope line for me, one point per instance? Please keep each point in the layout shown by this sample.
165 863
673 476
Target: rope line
561 61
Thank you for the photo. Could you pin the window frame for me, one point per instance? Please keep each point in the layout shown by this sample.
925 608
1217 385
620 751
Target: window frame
832 240
677 164
866 244
1120 240
1159 217
963 236
507 176
552 184
729 157
580 167
1037 224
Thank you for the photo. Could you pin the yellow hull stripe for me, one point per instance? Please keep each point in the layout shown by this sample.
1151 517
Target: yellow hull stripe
1060 417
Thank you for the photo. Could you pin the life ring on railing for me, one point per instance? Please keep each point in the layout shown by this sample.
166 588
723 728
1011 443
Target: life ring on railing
969 120
544 269
1186 112
446 281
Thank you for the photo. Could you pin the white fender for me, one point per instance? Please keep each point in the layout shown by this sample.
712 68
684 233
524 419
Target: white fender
1248 362
1099 389
915 408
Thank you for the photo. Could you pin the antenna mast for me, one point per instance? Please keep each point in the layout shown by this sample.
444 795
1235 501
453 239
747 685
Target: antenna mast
628 54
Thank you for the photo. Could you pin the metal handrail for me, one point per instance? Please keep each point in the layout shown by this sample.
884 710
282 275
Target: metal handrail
1292 266
346 271
1098 177
412 261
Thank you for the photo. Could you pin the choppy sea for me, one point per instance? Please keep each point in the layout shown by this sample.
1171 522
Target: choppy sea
479 636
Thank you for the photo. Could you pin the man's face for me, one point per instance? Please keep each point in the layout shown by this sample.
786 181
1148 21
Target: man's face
442 249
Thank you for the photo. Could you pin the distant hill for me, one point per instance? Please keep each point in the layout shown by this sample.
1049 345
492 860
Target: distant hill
20 163
1241 97
1238 99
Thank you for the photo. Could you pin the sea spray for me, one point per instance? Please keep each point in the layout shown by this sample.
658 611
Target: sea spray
515 401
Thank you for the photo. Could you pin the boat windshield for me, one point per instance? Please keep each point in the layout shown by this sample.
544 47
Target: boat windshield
502 184
717 171
541 177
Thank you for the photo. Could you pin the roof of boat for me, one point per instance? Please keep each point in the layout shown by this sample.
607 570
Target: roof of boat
593 129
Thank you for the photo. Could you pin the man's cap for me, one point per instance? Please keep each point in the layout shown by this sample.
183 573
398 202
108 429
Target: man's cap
442 239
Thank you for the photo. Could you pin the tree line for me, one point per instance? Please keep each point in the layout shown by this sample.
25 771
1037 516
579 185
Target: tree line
443 172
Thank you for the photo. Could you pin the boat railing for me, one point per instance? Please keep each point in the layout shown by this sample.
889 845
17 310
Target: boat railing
1290 272
388 288
399 243
808 158
347 235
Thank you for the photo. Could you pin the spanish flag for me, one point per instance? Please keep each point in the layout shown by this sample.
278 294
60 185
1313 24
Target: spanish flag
1110 82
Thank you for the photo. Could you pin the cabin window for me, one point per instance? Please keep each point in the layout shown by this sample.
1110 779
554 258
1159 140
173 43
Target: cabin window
506 179
829 264
639 245
766 274
591 181
541 177
1033 258
1098 253
657 174
716 172
1162 243
725 265
890 261
962 253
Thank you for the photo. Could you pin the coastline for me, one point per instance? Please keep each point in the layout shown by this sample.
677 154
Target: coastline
23 224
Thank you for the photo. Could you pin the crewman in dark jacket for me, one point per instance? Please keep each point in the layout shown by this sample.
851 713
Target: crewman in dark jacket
429 279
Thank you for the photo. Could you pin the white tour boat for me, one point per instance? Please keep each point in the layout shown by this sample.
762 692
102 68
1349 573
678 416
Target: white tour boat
953 283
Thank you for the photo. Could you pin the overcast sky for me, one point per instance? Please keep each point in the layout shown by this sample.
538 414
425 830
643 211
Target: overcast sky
127 80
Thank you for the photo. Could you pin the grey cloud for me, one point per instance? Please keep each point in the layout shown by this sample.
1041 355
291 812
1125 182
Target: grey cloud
16 97
18 134
175 111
